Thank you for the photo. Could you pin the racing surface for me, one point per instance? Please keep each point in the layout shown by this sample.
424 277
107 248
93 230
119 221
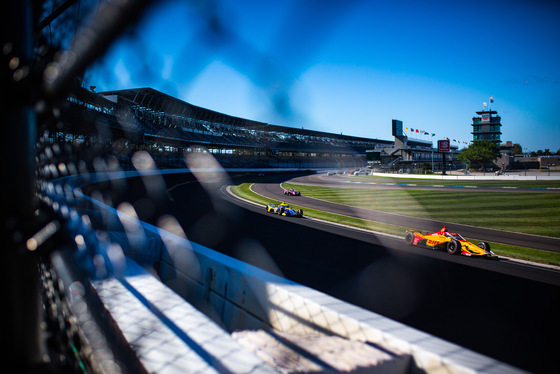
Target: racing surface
346 181
273 190
501 309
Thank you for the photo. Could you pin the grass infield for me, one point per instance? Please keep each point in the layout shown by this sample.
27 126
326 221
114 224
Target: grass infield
461 182
409 203
531 213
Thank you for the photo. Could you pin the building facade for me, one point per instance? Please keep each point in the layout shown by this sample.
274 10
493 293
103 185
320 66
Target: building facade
411 155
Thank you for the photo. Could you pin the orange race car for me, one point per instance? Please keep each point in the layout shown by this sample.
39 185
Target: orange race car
454 243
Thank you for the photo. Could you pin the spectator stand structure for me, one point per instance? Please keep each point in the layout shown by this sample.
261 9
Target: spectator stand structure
128 120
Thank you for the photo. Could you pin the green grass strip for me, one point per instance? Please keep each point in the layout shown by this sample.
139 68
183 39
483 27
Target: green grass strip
531 213
243 190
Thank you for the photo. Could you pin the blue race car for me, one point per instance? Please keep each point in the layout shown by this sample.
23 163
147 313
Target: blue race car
284 210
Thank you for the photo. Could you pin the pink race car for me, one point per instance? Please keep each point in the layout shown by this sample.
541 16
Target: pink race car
292 192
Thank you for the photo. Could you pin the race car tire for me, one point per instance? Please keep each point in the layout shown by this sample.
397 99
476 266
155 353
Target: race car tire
299 213
280 210
454 247
409 238
484 245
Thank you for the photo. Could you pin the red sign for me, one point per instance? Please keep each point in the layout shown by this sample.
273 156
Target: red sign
443 145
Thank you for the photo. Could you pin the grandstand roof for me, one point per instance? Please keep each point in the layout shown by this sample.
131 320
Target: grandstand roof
150 99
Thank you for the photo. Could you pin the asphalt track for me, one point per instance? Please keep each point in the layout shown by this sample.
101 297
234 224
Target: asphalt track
502 309
273 190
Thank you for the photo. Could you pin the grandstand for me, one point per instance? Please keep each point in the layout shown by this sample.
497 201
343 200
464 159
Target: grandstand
166 127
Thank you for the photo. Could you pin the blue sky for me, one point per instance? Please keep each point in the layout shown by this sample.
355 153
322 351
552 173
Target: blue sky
353 66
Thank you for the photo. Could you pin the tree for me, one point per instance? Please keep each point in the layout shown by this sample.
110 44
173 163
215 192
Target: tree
425 167
479 153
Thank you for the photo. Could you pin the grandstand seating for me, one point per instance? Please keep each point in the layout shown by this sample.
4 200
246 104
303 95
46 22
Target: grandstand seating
167 127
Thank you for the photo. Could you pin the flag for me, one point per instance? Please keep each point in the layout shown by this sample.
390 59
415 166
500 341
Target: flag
416 130
411 129
491 99
406 128
433 134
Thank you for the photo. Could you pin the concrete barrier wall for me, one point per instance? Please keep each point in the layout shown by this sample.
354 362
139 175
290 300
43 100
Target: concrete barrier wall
241 296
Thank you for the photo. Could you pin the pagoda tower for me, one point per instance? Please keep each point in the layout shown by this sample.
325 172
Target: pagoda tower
487 126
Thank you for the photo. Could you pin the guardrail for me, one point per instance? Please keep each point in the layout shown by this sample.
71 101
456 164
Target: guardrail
219 295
